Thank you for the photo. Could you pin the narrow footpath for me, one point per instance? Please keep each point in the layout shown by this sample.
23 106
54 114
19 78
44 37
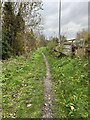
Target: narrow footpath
47 112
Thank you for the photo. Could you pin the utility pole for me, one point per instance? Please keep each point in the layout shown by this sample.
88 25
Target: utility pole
59 22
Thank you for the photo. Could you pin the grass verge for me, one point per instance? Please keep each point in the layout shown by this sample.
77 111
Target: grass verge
22 87
70 86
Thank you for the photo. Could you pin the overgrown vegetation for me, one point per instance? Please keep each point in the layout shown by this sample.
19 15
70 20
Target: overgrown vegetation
23 67
70 86
23 95
22 88
19 20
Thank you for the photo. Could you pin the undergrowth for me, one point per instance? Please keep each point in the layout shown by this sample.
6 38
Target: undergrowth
70 86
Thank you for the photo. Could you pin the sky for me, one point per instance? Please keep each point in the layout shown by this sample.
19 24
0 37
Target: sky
74 17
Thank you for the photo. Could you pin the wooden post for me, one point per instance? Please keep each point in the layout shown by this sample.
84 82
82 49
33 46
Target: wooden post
73 50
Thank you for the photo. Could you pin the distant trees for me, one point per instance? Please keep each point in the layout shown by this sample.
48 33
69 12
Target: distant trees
41 41
53 44
20 21
82 38
82 41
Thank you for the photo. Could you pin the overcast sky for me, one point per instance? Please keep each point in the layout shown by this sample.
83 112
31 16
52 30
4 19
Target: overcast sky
74 17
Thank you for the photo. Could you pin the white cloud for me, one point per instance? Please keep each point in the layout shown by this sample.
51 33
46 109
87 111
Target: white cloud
74 17
66 0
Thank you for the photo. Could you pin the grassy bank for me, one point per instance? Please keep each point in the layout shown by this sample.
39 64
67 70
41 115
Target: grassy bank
22 80
70 86
22 86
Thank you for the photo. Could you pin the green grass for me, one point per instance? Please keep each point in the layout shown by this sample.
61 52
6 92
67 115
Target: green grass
70 86
22 86
22 80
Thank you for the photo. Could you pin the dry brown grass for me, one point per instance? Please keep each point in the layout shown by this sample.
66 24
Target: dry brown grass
80 52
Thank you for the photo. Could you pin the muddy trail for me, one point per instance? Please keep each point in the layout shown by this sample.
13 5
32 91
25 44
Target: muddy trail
47 112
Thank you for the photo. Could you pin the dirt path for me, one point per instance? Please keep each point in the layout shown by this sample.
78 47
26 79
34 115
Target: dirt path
47 113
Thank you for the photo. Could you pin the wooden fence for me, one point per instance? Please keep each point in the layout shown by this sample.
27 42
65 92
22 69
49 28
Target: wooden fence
73 47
